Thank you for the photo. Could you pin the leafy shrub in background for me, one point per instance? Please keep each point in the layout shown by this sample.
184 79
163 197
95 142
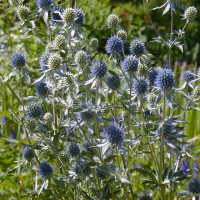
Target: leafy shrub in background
93 122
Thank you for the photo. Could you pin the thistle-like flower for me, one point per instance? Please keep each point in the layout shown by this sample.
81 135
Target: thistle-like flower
152 74
28 153
137 48
139 86
81 58
17 60
44 3
60 42
41 88
34 110
113 21
194 186
114 134
54 61
79 16
99 69
187 76
73 149
22 12
130 64
45 170
30 124
190 13
114 44
63 156
113 82
122 34
69 15
164 79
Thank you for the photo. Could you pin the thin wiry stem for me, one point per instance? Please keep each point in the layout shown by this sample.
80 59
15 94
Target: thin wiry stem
149 17
162 150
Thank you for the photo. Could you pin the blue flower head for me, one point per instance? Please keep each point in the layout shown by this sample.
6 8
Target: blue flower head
34 110
27 153
17 60
114 44
152 74
139 85
137 47
114 134
187 76
73 149
43 3
194 186
79 16
99 69
164 79
113 82
45 170
41 89
130 64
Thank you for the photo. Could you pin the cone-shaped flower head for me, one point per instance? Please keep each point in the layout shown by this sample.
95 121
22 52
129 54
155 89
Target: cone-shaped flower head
22 12
194 186
190 13
139 85
17 60
113 21
152 74
137 48
73 149
28 153
41 88
164 79
122 34
69 15
187 76
114 134
34 110
45 170
99 69
113 82
114 44
54 61
81 58
130 64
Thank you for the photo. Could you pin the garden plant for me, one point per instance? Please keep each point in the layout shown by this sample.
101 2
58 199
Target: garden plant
84 119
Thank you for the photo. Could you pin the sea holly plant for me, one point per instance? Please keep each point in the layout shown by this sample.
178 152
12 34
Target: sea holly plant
100 125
